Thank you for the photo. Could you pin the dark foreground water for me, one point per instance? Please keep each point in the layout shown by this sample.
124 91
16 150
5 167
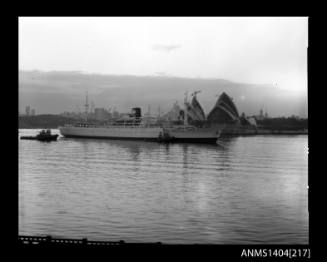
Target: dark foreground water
251 190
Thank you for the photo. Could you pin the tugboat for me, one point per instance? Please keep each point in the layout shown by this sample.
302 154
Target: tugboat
44 135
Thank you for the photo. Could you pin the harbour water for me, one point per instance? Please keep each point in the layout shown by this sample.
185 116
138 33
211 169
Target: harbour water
248 190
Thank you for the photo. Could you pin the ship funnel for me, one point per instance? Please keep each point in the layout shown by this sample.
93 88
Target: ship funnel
136 111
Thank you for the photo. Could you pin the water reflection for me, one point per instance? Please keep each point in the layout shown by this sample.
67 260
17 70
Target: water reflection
250 190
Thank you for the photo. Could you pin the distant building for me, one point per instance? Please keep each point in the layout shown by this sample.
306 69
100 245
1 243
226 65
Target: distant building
248 121
295 117
71 115
33 112
266 115
27 110
252 121
261 116
67 114
101 113
115 114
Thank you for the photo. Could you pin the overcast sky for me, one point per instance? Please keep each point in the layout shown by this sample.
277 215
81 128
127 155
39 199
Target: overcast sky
248 50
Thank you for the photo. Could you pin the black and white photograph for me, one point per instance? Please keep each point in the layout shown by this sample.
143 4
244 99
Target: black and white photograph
163 130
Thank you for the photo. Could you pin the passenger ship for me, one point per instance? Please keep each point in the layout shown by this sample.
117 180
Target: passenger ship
131 128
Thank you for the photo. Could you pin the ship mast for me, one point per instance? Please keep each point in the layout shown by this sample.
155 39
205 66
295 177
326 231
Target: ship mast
185 109
86 106
196 92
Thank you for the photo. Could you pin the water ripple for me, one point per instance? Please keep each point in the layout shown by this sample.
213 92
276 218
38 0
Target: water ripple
252 191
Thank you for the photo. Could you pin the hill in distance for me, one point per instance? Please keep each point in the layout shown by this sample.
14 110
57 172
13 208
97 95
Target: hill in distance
57 91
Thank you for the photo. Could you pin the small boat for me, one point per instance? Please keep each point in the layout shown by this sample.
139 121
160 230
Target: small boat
44 135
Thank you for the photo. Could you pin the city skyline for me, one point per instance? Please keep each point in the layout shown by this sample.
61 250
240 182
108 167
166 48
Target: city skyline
55 92
112 112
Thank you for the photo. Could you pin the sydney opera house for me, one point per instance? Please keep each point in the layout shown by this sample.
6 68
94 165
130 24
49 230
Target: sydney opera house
224 114
224 111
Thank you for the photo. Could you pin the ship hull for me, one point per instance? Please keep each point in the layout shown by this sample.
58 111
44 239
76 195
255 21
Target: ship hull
114 138
112 133
200 140
195 135
182 135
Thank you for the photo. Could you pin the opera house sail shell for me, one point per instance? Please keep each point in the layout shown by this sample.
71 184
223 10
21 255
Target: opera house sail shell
224 111
194 110
197 109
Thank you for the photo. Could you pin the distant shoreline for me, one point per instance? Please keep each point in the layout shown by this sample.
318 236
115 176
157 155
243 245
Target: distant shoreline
259 132
268 126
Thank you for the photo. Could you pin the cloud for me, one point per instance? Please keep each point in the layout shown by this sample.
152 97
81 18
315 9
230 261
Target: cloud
161 74
165 48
